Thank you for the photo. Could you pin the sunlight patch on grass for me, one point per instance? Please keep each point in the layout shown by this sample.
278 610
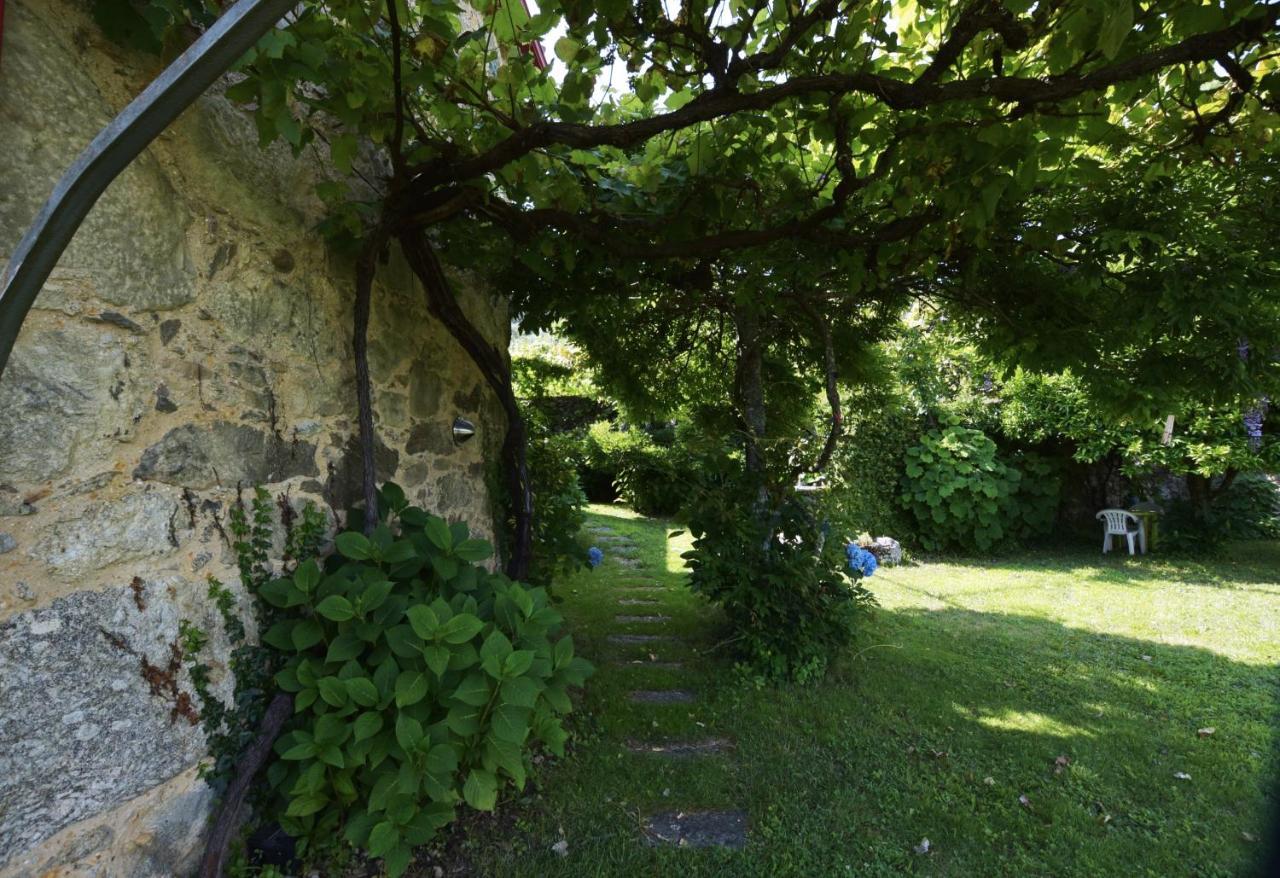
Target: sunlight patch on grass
1231 608
608 510
677 546
1029 721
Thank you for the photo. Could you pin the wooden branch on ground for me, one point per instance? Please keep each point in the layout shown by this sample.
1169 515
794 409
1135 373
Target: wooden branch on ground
226 821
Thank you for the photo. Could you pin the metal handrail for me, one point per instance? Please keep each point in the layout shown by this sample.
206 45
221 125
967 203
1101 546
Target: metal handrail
175 89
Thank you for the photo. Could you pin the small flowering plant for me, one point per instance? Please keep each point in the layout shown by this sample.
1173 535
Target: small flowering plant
860 560
595 557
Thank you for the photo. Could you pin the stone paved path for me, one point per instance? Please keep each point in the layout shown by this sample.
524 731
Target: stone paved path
708 828
698 829
639 638
663 696
679 749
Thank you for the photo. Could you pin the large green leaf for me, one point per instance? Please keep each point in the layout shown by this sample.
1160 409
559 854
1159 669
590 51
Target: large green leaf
411 687
333 691
520 691
437 531
437 658
362 691
353 545
474 690
481 790
460 628
511 724
383 838
367 725
336 607
1116 25
409 732
424 621
306 634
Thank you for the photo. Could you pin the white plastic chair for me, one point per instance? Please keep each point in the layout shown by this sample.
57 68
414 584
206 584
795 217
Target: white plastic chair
1120 523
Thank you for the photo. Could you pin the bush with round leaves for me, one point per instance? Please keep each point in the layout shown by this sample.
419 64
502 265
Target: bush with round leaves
964 497
421 681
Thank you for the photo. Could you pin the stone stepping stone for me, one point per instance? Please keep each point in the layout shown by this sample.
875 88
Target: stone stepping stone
630 563
601 529
639 638
698 829
662 696
657 665
637 602
681 749
645 619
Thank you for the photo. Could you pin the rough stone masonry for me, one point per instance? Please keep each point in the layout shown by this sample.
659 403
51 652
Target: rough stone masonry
195 336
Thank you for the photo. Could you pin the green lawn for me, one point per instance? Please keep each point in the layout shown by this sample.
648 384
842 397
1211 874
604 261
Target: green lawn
968 683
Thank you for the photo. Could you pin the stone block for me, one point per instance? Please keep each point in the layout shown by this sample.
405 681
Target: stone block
82 731
201 456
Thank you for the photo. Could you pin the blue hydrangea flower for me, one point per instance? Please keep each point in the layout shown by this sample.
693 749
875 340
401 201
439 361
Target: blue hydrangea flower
860 560
594 556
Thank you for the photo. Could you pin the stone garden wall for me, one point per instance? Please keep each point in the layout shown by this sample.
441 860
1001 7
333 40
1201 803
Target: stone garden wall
196 336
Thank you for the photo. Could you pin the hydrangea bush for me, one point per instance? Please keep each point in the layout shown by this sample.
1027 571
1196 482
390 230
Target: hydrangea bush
421 681
965 497
860 560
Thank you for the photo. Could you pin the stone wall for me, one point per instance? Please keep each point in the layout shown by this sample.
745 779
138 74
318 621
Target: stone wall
196 335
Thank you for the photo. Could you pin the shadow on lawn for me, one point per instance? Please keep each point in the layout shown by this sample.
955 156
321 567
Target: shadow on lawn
1001 694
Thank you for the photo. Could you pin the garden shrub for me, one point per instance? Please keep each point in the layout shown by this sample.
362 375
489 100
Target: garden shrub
558 501
421 680
655 481
1038 496
652 478
790 598
1249 509
964 497
864 476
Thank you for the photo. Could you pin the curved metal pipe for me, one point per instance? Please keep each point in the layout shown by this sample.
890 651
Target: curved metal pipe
208 58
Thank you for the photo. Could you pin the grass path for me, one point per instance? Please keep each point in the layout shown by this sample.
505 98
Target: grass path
947 723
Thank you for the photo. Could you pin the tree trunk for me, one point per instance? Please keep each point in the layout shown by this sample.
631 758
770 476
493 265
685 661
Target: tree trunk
365 268
1199 494
749 385
493 365
226 821
749 389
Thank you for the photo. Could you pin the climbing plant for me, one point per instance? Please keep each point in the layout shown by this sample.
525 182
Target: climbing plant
230 727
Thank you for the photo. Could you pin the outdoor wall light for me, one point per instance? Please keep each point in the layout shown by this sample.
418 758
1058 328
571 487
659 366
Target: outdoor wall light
462 430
